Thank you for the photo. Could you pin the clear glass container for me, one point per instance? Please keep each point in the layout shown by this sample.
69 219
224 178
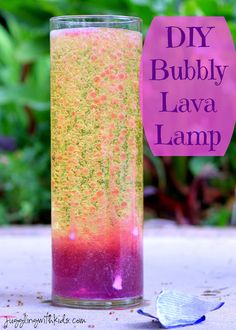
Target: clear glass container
97 161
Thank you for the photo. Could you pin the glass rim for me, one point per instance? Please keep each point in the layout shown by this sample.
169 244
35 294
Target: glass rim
96 19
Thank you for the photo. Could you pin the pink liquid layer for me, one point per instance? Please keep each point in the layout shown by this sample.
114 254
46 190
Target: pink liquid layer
85 271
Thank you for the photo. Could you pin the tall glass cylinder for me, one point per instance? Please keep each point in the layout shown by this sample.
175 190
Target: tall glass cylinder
97 161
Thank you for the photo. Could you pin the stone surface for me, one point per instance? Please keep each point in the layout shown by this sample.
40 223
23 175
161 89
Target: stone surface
199 261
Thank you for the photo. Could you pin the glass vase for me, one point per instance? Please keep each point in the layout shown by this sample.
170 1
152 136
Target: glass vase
96 161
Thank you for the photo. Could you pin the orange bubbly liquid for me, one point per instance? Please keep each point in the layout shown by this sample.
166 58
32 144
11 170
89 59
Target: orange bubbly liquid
97 163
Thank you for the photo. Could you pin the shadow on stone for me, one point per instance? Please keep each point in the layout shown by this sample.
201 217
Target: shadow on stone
145 325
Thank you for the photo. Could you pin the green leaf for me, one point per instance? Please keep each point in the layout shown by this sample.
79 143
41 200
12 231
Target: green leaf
23 95
180 165
3 215
191 8
29 51
219 217
6 46
197 164
157 162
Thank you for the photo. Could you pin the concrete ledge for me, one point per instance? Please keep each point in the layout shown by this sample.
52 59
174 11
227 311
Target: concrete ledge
200 261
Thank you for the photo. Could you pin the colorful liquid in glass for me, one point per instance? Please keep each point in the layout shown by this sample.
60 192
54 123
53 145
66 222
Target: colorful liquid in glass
97 164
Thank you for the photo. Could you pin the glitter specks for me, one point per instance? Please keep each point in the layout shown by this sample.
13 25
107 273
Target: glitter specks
96 129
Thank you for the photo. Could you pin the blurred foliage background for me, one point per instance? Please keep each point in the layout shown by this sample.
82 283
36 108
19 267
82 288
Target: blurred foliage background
195 190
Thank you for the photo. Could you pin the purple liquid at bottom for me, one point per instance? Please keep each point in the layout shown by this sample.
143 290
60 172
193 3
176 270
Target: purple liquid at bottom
83 271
